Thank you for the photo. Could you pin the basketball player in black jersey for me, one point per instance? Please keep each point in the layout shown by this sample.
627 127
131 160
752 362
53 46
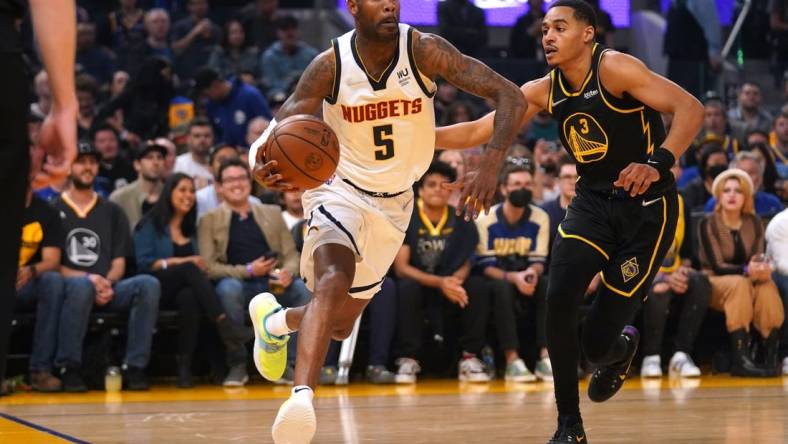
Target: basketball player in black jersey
622 221
54 23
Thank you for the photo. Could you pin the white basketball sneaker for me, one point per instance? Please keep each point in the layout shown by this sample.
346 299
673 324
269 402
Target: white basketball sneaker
651 367
681 366
296 422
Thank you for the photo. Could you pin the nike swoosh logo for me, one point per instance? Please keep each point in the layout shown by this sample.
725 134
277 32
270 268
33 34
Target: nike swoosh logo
556 102
650 202
301 389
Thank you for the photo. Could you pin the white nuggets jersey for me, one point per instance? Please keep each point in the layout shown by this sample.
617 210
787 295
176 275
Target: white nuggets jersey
385 126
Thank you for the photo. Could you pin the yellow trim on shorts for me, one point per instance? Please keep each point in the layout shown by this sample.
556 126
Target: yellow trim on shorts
651 262
581 238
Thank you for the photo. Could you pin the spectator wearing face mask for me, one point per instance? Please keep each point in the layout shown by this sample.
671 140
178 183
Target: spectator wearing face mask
512 251
713 161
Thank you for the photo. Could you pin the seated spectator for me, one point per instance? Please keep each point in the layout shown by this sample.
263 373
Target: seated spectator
780 145
95 247
97 61
777 249
749 114
712 162
210 197
140 196
675 278
758 145
231 105
127 31
43 102
115 170
556 209
525 39
248 248
716 126
145 102
512 251
433 267
235 55
194 38
731 253
39 286
165 242
287 58
294 210
464 25
766 204
87 91
157 27
195 162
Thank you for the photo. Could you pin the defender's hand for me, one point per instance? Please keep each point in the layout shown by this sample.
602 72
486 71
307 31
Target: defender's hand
636 178
478 187
58 139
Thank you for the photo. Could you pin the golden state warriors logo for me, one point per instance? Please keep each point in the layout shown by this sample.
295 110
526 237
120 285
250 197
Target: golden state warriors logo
630 269
587 139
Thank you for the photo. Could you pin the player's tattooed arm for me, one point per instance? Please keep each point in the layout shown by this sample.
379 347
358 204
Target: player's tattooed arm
437 57
315 84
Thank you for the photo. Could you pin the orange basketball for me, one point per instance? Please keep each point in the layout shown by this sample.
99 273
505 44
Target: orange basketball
306 149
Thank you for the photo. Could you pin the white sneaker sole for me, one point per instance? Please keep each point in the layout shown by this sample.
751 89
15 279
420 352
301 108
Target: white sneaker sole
405 379
295 423
240 383
257 334
651 375
547 377
521 378
480 378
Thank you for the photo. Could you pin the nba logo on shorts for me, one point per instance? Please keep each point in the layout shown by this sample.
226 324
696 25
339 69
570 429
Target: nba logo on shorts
629 269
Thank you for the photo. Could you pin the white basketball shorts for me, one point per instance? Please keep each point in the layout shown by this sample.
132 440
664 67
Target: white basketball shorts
372 227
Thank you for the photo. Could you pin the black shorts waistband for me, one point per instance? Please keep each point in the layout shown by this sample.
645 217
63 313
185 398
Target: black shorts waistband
373 193
621 194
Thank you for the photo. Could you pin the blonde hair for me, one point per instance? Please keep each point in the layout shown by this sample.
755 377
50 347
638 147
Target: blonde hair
744 182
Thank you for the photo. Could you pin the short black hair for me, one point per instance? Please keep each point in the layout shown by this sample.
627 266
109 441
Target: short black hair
218 147
758 131
103 126
584 12
199 121
205 78
708 149
441 168
232 163
286 22
512 168
565 160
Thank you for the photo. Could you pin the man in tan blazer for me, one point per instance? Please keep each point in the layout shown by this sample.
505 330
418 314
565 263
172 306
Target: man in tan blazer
248 250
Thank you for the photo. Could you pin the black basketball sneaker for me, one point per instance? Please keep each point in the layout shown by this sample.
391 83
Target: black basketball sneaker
608 379
570 429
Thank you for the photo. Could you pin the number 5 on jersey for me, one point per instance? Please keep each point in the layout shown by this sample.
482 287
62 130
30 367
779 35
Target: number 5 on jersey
386 142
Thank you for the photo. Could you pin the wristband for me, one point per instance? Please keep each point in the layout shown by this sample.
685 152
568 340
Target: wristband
249 269
662 160
164 264
259 143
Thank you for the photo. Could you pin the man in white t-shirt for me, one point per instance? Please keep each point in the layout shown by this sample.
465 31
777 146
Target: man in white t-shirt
195 162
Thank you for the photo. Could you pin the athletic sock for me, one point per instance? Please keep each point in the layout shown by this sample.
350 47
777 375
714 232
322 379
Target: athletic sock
276 324
303 392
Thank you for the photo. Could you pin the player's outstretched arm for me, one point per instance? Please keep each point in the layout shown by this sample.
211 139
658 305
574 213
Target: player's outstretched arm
315 84
621 73
479 131
437 57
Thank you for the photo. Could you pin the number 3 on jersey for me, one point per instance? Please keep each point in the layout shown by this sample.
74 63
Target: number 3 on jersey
386 142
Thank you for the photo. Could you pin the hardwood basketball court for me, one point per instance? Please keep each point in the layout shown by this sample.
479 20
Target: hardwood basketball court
716 409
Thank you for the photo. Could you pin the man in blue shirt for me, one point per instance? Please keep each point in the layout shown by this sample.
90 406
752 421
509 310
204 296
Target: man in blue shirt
230 105
286 59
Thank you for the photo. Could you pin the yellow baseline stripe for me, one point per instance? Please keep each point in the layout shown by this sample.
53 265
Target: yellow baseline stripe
11 431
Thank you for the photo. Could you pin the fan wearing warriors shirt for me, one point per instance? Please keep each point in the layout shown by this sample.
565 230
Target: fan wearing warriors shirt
376 86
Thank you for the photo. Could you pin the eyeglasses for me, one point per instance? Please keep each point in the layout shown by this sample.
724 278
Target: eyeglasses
235 179
568 176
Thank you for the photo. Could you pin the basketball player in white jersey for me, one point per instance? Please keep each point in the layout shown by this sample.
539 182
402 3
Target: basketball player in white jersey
376 88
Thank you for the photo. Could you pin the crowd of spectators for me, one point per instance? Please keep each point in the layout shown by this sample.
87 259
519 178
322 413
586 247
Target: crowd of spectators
160 212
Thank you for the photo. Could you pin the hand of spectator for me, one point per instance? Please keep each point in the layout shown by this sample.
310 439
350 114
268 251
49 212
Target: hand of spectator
451 287
199 262
284 278
523 285
679 280
262 266
636 178
23 276
759 271
203 27
103 287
